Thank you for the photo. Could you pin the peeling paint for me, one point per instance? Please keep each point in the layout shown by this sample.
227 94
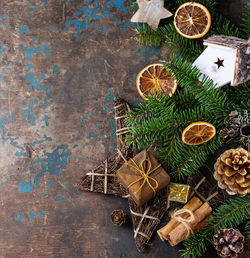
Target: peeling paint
33 215
19 217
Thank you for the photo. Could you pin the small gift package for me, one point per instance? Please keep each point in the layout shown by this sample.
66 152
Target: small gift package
178 192
143 177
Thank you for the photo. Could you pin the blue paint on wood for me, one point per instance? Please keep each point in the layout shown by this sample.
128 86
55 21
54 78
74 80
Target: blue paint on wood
19 217
92 135
33 215
105 145
55 69
30 51
88 18
2 48
46 103
50 184
25 187
46 119
147 52
3 183
53 164
42 76
45 2
60 199
110 96
45 138
84 145
84 119
33 84
28 114
23 29
20 154
30 9
63 182
3 121
133 80
113 129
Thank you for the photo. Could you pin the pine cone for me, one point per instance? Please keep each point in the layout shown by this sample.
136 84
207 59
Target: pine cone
229 242
118 217
232 171
237 131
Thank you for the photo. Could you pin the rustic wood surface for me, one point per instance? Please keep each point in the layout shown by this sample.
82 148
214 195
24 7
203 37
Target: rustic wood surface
62 62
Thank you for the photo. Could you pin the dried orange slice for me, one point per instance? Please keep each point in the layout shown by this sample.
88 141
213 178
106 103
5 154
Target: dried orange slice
198 133
192 20
153 78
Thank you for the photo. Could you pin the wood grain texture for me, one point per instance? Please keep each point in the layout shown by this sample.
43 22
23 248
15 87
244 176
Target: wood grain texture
61 64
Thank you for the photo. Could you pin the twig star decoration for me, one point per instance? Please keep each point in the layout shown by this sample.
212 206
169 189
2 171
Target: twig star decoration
219 62
151 12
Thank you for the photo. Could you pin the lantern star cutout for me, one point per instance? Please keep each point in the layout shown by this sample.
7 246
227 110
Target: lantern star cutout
219 62
151 12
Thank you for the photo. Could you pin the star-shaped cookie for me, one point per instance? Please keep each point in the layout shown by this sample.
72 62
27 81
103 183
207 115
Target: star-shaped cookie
151 12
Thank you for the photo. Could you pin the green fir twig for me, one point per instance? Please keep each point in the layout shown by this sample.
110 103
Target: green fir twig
229 215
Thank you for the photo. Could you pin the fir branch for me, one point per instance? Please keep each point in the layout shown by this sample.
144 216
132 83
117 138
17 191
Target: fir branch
183 161
245 25
242 98
210 4
183 47
204 91
229 215
222 26
134 4
147 36
247 231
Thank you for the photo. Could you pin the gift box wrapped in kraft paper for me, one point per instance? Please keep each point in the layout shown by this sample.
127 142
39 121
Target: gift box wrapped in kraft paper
143 177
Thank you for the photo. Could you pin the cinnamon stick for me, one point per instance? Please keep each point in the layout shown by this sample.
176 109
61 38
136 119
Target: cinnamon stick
179 234
192 205
202 224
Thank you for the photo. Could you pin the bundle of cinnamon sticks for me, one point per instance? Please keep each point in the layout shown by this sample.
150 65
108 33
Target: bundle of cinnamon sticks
184 222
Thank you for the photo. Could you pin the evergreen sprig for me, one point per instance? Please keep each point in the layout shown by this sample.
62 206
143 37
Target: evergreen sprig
247 231
147 36
245 26
229 215
161 120
222 26
242 98
204 91
183 47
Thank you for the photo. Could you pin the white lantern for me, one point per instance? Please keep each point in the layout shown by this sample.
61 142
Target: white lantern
225 60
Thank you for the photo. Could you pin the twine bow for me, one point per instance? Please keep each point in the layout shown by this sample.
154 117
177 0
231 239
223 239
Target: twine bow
145 175
177 215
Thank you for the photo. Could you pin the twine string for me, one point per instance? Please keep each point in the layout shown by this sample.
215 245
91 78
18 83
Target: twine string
145 175
106 178
177 215
143 216
195 190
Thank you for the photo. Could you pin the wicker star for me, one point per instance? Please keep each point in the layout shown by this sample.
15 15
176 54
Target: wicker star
151 12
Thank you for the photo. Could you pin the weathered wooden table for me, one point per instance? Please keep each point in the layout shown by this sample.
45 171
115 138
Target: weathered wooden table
62 62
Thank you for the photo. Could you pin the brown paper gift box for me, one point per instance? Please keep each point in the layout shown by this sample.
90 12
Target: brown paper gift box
128 175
